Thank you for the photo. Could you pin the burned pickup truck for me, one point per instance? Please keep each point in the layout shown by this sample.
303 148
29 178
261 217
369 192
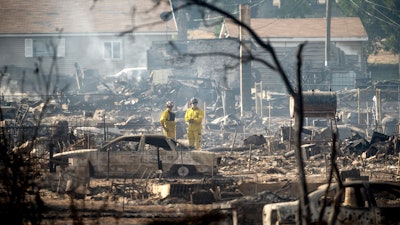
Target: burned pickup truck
141 156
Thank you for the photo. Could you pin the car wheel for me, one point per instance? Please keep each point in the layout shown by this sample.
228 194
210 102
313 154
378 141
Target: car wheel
183 171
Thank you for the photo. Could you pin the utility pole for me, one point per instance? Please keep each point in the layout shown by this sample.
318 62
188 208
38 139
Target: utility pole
328 40
245 64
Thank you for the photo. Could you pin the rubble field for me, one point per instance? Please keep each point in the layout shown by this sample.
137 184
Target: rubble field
246 179
257 166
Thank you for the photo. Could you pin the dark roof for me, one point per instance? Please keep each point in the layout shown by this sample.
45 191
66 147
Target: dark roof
83 16
346 28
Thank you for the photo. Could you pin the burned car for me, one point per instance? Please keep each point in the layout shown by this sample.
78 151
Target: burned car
361 202
140 156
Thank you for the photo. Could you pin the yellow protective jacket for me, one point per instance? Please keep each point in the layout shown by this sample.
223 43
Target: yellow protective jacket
168 119
197 115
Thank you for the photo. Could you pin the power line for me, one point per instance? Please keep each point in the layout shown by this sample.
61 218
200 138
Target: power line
382 6
374 16
383 14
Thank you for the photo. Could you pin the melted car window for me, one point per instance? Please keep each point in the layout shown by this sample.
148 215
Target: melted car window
149 147
154 143
124 146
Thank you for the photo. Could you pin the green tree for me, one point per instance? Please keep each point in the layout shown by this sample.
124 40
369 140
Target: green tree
381 19
195 14
295 9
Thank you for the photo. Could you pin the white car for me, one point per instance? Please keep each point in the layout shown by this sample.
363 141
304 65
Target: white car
361 202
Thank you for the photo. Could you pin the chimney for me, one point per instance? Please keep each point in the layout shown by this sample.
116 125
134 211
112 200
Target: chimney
181 21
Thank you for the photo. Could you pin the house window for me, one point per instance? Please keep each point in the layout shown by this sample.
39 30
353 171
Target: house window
44 47
112 50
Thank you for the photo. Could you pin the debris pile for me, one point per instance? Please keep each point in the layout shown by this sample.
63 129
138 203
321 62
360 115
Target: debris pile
255 151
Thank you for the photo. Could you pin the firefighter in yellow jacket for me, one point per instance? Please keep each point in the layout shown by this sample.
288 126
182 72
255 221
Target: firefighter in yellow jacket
167 120
194 117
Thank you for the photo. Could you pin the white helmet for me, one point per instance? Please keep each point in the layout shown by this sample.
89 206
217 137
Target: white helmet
169 104
194 101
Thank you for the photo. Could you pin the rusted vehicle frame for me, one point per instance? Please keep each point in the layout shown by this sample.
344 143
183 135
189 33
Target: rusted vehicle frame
141 155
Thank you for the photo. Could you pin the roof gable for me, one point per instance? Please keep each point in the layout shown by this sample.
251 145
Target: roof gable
305 28
83 16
